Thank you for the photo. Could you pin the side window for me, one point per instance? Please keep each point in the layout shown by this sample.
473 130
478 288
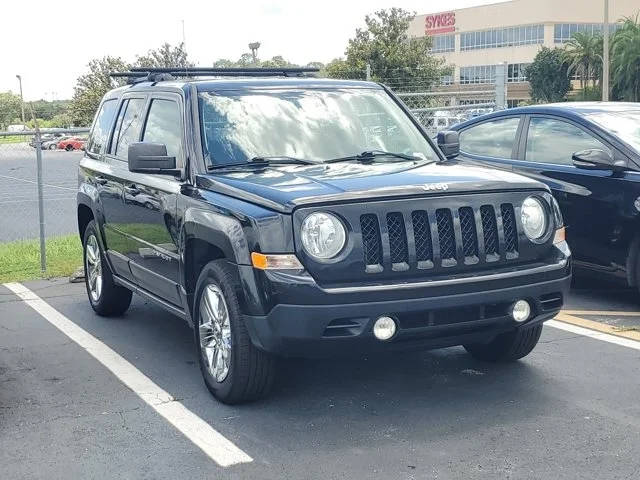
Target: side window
101 126
116 130
130 128
493 139
555 141
164 126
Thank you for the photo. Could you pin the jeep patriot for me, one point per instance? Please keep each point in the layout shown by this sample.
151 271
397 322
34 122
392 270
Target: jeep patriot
285 215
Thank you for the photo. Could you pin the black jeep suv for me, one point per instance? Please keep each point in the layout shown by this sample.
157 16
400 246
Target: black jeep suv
280 214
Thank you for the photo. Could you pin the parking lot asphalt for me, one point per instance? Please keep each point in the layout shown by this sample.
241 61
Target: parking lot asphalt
19 197
569 410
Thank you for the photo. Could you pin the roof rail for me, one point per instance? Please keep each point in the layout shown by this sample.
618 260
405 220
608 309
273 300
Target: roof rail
142 74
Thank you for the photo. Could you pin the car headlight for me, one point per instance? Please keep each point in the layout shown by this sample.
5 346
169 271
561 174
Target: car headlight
323 235
534 218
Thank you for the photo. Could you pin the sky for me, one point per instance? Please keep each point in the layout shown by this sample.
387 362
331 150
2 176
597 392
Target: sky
50 43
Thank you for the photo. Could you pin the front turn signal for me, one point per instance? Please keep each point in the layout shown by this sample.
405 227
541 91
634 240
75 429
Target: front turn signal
559 236
263 261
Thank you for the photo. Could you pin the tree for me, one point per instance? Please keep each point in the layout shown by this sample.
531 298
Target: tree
583 53
91 87
246 61
548 76
625 60
392 54
9 109
167 56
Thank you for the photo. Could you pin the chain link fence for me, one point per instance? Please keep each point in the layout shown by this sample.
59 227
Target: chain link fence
38 184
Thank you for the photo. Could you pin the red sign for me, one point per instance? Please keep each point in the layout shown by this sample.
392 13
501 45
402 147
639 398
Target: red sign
440 23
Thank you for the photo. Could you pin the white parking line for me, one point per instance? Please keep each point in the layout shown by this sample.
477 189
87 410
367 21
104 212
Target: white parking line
605 337
215 445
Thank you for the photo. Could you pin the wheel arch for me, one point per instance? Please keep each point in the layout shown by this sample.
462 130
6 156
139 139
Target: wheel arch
210 236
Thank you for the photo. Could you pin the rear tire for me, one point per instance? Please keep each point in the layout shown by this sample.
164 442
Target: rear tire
248 373
507 347
108 299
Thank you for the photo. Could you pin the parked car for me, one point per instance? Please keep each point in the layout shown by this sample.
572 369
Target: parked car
301 216
51 144
589 155
72 143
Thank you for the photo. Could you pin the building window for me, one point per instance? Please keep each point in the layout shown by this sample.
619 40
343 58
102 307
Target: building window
516 102
515 72
443 43
446 80
562 32
477 74
503 37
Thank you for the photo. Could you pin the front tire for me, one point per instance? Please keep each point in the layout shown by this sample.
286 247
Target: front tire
234 370
107 299
507 347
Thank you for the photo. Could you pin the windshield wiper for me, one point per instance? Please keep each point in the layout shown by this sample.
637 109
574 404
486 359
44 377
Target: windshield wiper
258 161
284 160
371 155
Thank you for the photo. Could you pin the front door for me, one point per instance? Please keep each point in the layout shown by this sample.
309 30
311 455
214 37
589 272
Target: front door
150 200
592 201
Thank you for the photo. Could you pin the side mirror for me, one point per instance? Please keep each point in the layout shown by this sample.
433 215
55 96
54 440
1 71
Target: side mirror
449 143
145 157
595 159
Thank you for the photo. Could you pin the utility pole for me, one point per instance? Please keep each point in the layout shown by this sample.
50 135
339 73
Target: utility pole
21 97
605 54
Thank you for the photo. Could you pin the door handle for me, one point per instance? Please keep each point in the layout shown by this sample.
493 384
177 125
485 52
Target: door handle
101 180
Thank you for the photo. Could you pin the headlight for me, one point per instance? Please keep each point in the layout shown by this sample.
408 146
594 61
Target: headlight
323 235
534 218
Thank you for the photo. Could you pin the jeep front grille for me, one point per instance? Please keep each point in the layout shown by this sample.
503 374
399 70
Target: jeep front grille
444 237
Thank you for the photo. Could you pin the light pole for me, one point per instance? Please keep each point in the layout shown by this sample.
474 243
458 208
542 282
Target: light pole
605 54
21 97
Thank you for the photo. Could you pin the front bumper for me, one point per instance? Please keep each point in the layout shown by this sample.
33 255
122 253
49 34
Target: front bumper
307 320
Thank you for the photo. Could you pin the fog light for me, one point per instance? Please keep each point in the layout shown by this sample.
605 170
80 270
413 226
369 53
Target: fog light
521 310
384 328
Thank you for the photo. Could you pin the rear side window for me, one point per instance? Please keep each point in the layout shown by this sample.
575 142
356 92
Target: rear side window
493 139
164 126
129 131
555 141
101 126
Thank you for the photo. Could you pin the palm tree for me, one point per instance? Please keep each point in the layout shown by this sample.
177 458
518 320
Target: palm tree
625 59
582 56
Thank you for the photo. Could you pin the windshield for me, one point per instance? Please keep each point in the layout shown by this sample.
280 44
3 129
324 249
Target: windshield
625 125
311 124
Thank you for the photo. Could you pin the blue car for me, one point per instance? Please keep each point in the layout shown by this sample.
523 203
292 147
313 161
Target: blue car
588 153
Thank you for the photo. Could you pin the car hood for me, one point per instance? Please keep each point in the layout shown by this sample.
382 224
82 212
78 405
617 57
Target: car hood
285 187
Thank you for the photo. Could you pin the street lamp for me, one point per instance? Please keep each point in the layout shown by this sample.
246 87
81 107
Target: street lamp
21 97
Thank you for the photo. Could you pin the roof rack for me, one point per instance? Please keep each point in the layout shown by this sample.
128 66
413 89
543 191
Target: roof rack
141 74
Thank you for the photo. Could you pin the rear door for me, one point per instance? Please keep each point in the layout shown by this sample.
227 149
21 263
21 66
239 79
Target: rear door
592 201
149 213
492 142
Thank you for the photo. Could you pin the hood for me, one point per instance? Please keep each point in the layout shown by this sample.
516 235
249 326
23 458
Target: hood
285 187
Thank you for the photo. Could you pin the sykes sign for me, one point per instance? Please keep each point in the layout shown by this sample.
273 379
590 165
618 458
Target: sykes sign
440 23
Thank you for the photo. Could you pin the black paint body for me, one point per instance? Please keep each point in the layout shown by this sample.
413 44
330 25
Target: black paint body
158 231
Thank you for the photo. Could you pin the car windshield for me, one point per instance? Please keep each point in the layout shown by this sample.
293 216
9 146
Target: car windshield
311 124
625 125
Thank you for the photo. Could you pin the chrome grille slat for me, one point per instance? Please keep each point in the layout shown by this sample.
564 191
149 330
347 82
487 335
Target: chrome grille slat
441 238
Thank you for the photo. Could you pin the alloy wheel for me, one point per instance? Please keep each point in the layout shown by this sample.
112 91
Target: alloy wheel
215 332
93 268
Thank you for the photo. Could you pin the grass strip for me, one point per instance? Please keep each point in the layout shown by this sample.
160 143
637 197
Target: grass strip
20 260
